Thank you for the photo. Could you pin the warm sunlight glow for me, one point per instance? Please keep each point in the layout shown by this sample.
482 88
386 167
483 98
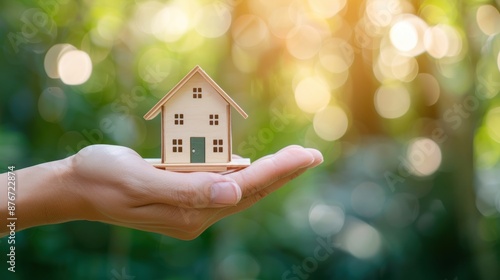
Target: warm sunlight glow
303 42
392 102
442 41
488 19
108 28
74 67
391 65
312 94
404 68
142 17
336 55
249 31
327 8
381 12
52 59
331 123
407 35
280 22
436 42
423 156
404 36
170 23
243 60
213 20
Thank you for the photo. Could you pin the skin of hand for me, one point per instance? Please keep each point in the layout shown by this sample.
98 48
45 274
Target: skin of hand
113 184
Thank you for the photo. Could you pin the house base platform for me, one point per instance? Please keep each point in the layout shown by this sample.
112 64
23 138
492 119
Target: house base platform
235 165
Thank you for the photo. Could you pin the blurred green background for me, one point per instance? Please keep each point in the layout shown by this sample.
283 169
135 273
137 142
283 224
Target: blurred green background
400 96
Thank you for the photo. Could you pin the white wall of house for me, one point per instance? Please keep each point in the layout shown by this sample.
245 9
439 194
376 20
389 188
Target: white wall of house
196 122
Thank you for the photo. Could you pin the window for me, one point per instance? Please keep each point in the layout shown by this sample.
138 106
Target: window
218 145
197 92
214 119
177 145
179 119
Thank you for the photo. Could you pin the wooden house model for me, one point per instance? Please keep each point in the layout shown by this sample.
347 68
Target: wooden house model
196 126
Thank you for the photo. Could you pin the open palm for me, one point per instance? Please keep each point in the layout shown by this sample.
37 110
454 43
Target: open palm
119 187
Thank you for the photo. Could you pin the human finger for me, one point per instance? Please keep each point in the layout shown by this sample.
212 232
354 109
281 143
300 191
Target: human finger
191 190
264 172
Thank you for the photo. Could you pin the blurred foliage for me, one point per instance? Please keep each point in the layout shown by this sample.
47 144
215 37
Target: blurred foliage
400 96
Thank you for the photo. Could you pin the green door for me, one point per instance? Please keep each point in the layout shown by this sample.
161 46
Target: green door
197 149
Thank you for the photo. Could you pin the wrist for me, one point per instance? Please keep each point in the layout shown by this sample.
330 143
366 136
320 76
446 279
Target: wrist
64 202
47 194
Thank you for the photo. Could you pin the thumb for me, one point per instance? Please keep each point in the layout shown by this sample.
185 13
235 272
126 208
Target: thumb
194 190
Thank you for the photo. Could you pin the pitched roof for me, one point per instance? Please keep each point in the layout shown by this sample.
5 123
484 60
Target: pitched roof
156 108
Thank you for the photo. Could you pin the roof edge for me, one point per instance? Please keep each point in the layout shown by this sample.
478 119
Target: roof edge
155 110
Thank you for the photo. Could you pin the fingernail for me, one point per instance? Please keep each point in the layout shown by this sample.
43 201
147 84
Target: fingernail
316 154
226 193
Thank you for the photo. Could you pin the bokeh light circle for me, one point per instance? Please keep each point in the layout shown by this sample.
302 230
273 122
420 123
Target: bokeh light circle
326 220
442 41
280 22
392 102
170 23
392 65
74 67
106 31
404 36
361 239
52 59
423 157
303 42
312 94
404 68
488 19
336 55
249 31
213 20
407 34
381 12
330 123
327 8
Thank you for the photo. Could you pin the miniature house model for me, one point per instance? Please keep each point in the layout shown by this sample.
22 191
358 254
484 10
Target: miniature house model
196 126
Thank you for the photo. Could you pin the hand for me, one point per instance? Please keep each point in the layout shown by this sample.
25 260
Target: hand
114 185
